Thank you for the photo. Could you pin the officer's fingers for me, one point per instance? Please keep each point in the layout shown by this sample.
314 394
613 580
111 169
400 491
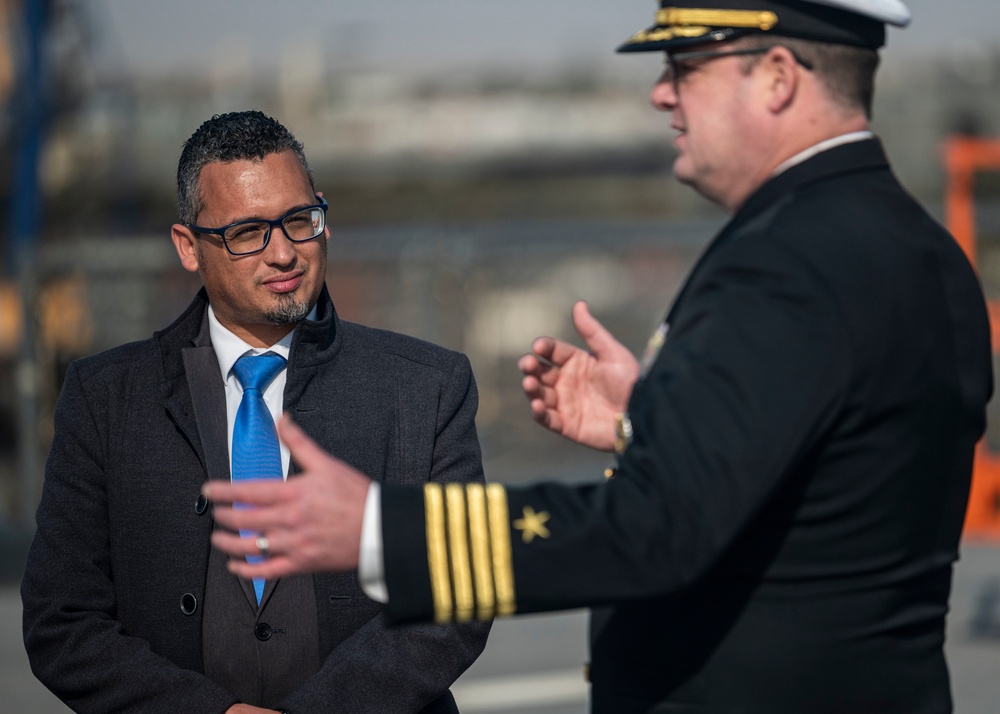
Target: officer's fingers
561 353
251 519
597 337
541 376
535 390
585 323
545 415
256 492
533 364
529 364
232 544
278 562
543 346
531 387
538 408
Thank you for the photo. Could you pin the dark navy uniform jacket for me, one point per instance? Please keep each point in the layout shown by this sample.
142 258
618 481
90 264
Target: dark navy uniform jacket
781 531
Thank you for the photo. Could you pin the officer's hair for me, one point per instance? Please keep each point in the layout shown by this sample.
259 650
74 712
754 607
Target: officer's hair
845 71
236 136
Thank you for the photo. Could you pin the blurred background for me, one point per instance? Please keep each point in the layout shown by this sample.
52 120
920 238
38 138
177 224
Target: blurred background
486 164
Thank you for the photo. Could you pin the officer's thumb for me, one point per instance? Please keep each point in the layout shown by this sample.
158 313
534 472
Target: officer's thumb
598 339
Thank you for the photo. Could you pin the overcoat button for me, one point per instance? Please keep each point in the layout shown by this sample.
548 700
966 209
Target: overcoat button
189 603
262 631
201 505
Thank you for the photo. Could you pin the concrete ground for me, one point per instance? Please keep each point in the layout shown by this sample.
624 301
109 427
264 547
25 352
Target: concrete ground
534 664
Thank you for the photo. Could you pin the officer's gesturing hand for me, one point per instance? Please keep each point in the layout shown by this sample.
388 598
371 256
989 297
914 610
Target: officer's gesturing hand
577 393
310 523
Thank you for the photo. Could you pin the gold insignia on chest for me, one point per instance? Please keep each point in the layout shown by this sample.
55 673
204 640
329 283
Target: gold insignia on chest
532 524
653 347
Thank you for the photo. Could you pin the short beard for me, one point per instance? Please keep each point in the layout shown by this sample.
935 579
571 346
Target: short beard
288 312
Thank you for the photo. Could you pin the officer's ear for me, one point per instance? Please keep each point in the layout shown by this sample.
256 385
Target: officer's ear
781 76
184 241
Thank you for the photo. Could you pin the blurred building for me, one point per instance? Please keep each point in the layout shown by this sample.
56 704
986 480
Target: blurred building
470 208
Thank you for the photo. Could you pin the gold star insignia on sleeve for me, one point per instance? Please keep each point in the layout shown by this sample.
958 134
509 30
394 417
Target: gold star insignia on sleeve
532 524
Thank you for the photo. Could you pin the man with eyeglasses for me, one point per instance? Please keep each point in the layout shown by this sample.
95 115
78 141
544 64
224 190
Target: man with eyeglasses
794 449
126 606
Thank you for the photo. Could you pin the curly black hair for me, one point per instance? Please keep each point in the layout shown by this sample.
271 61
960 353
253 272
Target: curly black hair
229 137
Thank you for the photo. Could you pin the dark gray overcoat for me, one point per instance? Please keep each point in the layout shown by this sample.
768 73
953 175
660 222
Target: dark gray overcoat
115 582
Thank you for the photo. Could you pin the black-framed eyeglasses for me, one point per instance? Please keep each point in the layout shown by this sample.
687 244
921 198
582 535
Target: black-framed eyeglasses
677 68
247 237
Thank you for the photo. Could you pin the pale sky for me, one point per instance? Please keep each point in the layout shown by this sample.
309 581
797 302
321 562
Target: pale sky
142 36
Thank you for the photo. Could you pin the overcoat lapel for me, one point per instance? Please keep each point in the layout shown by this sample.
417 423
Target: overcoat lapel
208 397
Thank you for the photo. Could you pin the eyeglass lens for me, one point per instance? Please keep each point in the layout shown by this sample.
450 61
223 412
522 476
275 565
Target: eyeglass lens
680 64
299 226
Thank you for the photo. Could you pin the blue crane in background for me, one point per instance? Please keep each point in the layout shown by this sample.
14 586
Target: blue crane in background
29 117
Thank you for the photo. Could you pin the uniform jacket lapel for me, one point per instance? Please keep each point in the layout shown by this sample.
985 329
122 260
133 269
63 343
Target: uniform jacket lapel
857 156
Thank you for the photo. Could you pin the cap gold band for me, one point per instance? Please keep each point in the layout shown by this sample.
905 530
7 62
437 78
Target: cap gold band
756 19
662 34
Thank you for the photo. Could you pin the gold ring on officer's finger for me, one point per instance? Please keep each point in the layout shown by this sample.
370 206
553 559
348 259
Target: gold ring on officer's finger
263 545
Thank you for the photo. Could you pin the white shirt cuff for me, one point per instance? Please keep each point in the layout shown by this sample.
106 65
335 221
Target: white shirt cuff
371 565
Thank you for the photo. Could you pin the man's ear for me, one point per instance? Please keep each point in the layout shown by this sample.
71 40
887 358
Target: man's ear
326 231
184 242
782 77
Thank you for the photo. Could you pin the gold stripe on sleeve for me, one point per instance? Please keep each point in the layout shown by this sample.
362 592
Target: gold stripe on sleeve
458 541
437 552
503 568
756 19
482 567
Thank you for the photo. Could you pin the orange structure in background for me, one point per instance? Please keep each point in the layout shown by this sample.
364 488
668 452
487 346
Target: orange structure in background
964 157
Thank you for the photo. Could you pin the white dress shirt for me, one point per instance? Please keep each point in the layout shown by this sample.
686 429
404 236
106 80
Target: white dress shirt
229 348
820 147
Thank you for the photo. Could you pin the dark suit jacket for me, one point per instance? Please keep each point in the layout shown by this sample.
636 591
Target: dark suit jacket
123 535
781 532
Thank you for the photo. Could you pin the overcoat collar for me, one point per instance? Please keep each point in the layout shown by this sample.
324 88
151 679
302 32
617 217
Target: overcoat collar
315 343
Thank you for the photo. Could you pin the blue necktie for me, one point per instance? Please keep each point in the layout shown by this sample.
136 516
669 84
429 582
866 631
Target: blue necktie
256 453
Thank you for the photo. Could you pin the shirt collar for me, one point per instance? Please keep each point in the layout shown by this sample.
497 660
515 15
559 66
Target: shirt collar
820 147
229 348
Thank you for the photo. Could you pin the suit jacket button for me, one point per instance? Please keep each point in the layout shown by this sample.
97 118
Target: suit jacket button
189 603
262 631
201 505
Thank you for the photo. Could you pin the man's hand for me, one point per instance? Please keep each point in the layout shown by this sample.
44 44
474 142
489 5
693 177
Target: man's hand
311 522
249 709
577 393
